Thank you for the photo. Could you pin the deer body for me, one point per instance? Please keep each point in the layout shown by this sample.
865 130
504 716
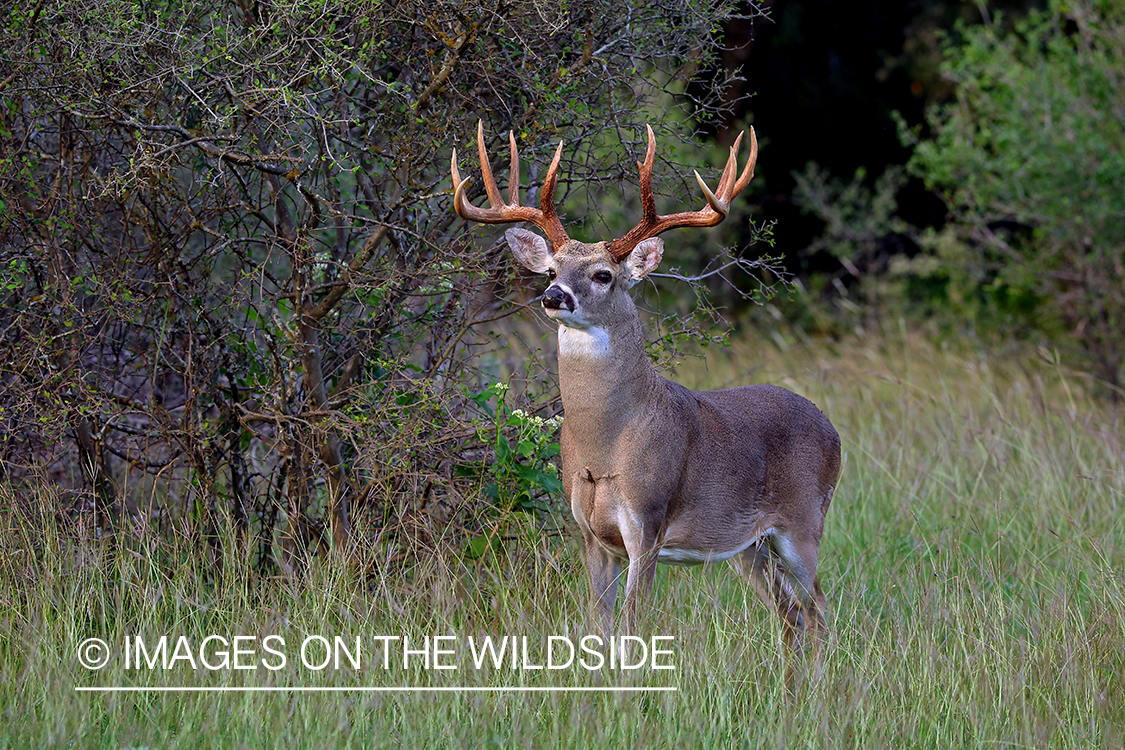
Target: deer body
654 471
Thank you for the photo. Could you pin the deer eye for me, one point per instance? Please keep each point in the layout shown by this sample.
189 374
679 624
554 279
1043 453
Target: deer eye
603 277
551 274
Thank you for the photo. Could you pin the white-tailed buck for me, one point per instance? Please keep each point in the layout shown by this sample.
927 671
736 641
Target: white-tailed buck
654 471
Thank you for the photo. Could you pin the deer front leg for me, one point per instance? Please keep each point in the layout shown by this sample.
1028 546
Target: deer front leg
603 568
640 543
605 572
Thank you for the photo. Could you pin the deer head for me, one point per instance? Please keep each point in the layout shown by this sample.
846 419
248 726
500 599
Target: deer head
587 279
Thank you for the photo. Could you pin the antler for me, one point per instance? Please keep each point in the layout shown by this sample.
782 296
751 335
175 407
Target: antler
503 213
718 203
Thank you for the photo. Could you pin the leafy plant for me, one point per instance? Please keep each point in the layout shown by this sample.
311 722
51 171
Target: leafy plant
521 472
246 292
1030 158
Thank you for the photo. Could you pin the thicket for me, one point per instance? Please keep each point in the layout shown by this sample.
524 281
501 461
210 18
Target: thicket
1028 155
232 284
1030 158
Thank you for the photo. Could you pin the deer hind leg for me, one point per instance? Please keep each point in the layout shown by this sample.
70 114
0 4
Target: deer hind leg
783 573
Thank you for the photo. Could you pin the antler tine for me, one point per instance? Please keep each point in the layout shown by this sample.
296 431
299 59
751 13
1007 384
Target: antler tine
726 179
748 170
547 194
648 200
514 177
454 173
715 203
500 212
458 186
718 203
730 171
486 169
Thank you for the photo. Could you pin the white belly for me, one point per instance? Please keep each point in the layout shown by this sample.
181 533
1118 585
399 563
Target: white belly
674 556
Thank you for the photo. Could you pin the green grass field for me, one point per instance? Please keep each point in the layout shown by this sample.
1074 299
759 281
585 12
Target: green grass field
974 561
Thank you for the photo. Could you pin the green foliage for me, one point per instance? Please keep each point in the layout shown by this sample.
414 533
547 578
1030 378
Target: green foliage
856 217
521 472
1030 159
14 276
972 560
229 268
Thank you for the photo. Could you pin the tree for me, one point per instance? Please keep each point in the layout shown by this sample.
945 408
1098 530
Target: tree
231 276
1030 158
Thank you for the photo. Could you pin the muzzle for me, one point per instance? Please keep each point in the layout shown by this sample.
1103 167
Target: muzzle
557 299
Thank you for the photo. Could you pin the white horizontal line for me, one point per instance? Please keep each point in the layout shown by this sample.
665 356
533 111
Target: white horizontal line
366 689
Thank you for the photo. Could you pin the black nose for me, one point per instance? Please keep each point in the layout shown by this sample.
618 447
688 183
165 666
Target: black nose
555 298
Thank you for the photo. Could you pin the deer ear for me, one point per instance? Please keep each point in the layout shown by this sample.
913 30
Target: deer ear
645 258
529 248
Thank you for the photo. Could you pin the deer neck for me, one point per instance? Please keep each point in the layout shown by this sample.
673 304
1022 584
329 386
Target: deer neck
605 378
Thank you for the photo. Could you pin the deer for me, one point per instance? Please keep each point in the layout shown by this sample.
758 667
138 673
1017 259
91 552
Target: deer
654 472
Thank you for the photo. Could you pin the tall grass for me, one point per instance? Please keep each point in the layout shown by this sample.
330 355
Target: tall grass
973 561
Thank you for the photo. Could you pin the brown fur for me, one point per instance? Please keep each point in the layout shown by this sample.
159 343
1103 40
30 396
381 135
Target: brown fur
653 470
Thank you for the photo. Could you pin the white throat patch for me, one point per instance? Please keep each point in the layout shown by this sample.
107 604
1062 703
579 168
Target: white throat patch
585 343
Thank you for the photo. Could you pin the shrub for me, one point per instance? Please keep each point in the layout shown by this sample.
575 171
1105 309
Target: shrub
1030 158
232 283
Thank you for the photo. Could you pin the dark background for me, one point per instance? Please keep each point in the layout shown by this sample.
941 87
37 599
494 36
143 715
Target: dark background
822 81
